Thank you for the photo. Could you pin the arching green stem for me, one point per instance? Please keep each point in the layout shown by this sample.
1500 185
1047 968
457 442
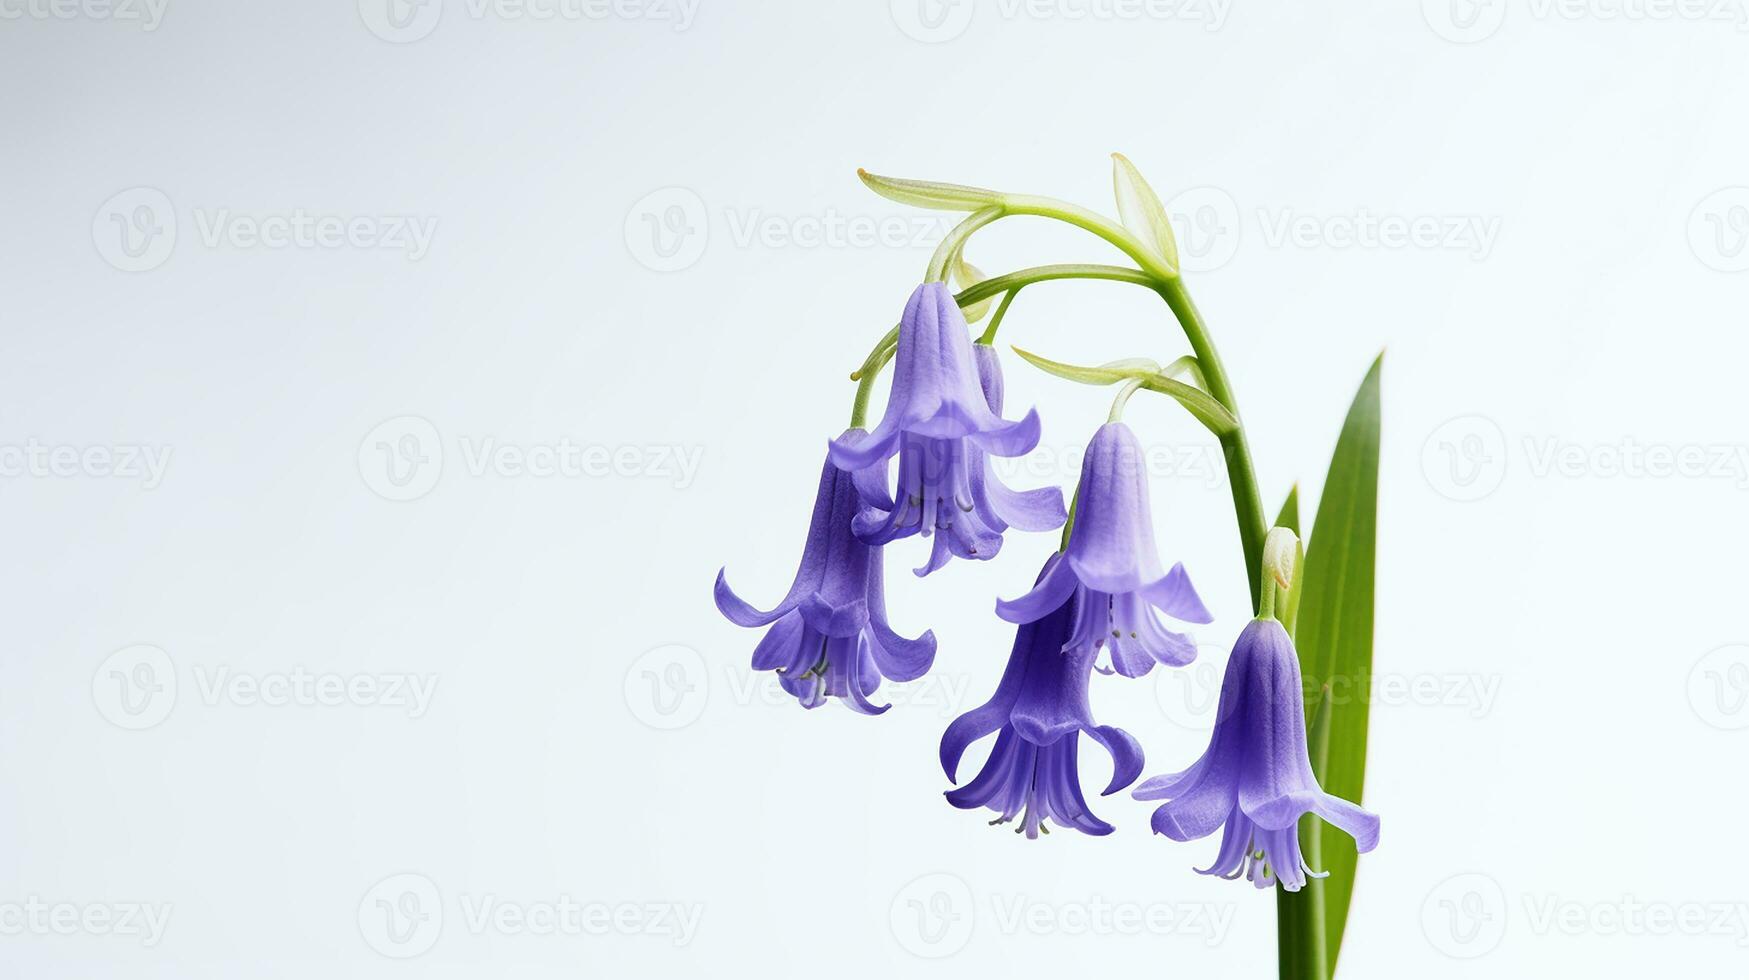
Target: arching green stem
1154 273
1242 476
941 263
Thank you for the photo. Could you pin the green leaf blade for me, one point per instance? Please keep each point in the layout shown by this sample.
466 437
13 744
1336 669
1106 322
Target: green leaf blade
1140 210
1334 636
1200 404
931 194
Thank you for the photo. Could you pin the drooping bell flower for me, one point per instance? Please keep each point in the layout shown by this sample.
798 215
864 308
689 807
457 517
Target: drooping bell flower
829 636
943 420
1112 568
1039 711
1256 777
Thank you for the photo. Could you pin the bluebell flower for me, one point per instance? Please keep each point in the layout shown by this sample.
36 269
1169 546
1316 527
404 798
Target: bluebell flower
1112 568
1039 711
1256 777
943 420
829 636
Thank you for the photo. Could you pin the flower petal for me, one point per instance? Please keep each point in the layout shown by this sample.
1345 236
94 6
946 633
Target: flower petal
781 647
1126 755
1009 438
1176 597
1358 823
1054 589
1024 510
738 611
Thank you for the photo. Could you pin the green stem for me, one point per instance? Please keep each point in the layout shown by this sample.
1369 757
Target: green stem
1241 475
865 385
940 264
1122 400
988 337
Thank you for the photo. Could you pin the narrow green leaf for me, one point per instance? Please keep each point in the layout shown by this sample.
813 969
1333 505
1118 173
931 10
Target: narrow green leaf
929 194
1141 211
1200 404
1335 640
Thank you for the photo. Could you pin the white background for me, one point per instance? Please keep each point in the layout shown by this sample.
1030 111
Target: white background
642 233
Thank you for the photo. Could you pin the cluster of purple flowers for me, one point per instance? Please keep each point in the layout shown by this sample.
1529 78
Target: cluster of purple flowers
1104 592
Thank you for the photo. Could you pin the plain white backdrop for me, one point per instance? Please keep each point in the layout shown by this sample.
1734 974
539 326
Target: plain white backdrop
381 388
